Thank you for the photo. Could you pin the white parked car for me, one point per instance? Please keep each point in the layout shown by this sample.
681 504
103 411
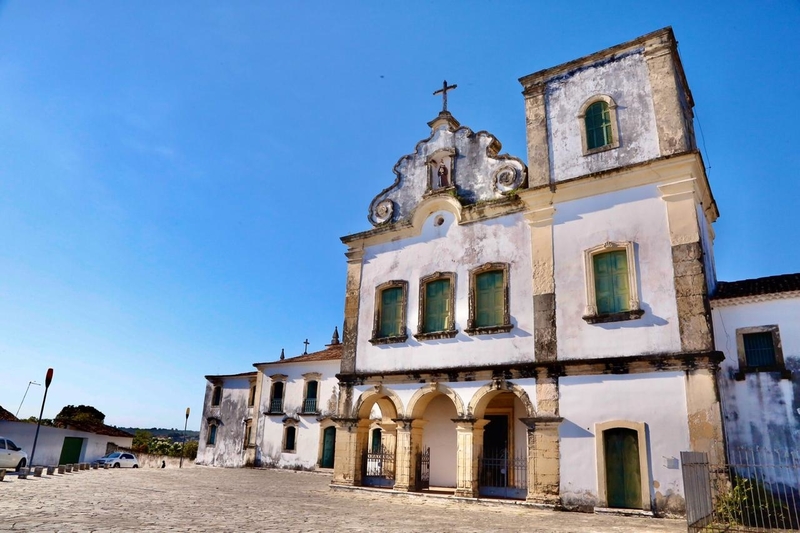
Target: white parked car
119 460
11 455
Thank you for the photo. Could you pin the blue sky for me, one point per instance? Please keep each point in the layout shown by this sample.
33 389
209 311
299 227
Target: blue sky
175 176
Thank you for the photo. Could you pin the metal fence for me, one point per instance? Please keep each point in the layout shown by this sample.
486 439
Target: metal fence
378 467
756 490
502 475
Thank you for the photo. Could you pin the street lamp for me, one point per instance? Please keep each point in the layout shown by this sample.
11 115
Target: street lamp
23 396
48 378
183 448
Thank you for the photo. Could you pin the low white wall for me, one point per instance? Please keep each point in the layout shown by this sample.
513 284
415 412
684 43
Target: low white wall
51 441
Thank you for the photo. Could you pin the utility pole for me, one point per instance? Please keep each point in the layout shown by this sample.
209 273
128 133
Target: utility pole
183 448
47 380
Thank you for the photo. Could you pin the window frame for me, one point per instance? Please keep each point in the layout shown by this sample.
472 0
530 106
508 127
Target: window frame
216 395
287 425
247 441
275 379
251 398
635 311
376 324
506 326
450 330
211 432
744 368
612 115
308 378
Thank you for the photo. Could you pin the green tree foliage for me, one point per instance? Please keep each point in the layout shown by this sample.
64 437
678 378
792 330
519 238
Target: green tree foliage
141 441
190 449
79 414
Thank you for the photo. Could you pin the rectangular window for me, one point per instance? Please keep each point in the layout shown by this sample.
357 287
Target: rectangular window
251 401
759 349
212 435
489 299
276 404
611 282
216 396
310 403
290 439
391 321
248 428
437 305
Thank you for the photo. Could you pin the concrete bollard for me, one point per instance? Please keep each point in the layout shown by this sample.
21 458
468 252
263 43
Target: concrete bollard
69 468
105 466
23 473
94 466
50 470
2 473
37 471
81 466
62 469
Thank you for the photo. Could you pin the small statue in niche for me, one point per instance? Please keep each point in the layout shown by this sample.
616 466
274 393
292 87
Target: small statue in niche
442 173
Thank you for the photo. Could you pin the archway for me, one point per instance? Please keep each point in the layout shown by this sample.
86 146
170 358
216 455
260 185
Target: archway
376 410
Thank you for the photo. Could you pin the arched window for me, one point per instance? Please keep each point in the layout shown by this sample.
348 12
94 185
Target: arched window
276 402
289 439
598 126
598 118
211 439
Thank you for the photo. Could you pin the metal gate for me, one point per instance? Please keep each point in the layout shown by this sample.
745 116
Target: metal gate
424 469
502 476
378 467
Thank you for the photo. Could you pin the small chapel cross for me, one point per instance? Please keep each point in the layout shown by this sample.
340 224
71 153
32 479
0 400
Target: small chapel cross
306 349
443 92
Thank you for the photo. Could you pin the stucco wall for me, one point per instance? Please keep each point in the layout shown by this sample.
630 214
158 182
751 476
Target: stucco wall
231 413
657 399
625 78
637 215
440 435
449 248
763 409
51 441
309 430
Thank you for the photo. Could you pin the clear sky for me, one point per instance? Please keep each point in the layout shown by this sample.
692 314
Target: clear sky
175 176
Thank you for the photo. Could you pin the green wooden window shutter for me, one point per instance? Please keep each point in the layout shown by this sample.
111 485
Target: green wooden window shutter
611 282
489 304
759 349
437 305
598 125
391 312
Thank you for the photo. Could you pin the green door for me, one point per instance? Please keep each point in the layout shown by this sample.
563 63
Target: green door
623 477
328 447
71 451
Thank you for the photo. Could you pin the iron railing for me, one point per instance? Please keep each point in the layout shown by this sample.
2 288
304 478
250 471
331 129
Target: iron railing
276 405
758 489
423 469
310 405
378 467
502 475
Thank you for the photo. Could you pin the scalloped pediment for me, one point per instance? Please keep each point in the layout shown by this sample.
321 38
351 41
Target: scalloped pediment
453 161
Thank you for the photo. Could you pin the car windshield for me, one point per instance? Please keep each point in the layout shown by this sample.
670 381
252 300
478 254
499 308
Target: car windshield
113 455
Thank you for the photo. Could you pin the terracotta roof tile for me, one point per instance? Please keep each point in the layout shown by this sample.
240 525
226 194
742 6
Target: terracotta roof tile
332 352
754 287
6 416
239 375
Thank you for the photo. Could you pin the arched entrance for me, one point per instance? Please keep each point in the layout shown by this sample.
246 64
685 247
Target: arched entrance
377 448
503 448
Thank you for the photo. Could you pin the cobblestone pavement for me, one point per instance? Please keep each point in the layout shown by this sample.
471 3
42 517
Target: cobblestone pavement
217 499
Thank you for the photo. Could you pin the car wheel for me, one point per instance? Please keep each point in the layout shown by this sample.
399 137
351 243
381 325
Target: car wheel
21 465
136 466
116 465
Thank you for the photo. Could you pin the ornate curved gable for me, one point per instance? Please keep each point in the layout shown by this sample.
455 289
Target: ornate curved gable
452 161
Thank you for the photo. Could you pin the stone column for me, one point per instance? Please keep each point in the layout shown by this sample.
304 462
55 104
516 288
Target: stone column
672 100
540 221
544 460
705 415
536 129
409 440
351 439
352 297
469 436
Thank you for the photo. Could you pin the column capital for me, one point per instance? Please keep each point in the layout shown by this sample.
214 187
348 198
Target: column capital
469 423
542 422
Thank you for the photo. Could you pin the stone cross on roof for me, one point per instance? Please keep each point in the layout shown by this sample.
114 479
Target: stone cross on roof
443 92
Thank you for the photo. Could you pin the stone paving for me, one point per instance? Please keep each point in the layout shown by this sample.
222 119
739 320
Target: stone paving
217 499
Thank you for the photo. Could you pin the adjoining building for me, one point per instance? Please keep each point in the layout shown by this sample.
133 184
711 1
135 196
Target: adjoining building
278 415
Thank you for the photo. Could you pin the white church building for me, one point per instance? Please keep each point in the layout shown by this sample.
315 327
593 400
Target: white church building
549 329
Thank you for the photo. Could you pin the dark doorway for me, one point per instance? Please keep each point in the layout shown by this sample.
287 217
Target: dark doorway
495 435
623 476
328 447
71 451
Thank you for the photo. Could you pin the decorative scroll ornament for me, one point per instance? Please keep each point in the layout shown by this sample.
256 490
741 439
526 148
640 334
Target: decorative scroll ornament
384 211
507 178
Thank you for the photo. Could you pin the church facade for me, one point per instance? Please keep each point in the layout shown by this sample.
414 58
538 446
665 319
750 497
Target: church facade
543 329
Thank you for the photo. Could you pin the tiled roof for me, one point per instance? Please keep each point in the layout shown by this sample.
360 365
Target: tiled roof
754 287
6 416
332 352
239 375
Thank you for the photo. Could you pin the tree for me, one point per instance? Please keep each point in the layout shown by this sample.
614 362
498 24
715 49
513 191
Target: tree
81 414
141 441
190 449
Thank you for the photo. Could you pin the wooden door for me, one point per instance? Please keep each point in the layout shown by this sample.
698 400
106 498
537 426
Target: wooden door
623 476
328 447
